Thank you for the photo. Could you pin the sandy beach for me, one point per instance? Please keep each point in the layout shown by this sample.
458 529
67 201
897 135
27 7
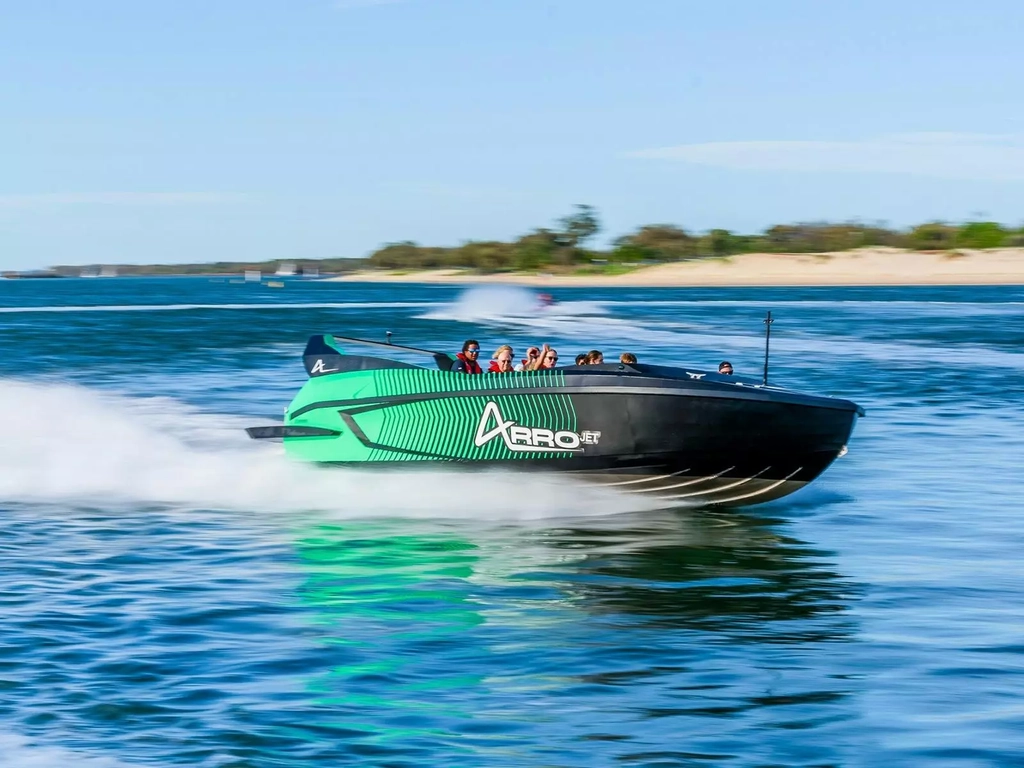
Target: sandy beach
868 266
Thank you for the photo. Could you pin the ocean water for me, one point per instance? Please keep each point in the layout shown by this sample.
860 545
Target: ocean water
172 593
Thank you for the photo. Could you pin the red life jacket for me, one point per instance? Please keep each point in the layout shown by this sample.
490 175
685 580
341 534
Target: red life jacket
472 366
493 368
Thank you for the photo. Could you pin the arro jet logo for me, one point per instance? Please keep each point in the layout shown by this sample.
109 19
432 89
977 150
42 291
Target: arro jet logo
318 367
535 439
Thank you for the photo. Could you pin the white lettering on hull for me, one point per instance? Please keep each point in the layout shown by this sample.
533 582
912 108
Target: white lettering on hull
529 439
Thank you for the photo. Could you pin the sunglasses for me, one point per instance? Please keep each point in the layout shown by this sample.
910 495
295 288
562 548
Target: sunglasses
474 350
551 357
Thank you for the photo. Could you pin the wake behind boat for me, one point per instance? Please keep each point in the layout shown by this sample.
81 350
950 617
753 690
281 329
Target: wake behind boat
682 434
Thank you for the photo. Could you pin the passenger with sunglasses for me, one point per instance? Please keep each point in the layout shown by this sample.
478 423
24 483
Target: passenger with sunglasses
465 361
547 359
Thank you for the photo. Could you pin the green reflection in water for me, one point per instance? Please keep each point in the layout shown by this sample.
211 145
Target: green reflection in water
460 638
393 607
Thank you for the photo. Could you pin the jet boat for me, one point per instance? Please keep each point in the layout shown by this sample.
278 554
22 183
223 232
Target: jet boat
683 434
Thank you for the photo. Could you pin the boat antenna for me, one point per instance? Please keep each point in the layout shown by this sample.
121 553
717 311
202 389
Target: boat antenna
388 334
767 340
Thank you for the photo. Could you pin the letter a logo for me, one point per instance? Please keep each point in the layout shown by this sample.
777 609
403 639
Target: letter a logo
483 437
318 367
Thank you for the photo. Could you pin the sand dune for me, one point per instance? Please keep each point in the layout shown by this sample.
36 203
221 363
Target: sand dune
867 266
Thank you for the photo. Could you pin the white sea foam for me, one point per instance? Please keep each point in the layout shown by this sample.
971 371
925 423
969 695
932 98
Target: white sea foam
18 752
509 303
63 443
520 309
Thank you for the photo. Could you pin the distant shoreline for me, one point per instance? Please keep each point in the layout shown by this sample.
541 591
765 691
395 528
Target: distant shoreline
874 266
864 267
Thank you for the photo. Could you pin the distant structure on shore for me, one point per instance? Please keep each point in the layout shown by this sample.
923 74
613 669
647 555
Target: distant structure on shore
107 271
30 273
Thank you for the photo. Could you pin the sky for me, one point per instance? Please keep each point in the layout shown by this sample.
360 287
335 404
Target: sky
177 131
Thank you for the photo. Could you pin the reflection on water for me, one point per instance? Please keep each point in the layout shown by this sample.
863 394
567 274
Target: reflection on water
455 640
722 573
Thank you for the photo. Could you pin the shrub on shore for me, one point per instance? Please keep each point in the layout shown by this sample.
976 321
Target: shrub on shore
544 249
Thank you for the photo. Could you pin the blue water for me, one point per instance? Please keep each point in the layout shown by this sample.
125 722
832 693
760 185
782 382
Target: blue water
172 593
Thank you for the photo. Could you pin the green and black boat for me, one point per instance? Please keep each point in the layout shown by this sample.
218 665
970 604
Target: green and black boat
678 433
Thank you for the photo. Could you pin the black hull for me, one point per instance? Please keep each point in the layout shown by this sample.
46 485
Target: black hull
692 450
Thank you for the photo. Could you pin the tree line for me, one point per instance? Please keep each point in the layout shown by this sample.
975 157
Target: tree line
566 244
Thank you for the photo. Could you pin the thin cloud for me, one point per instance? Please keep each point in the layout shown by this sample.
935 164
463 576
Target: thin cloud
36 200
967 156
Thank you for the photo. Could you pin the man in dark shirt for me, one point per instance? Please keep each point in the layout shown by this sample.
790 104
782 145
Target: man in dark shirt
465 361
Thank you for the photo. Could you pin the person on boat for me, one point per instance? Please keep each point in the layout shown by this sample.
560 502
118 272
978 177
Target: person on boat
627 358
547 360
595 357
532 353
465 361
725 368
502 362
581 358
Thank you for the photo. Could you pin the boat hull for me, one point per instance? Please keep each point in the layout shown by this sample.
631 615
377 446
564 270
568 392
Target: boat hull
685 439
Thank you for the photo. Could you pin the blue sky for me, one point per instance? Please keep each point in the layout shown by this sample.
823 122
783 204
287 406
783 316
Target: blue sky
197 131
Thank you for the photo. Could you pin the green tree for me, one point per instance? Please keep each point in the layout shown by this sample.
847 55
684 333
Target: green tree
490 256
934 236
629 253
534 250
579 227
404 255
662 242
981 234
720 242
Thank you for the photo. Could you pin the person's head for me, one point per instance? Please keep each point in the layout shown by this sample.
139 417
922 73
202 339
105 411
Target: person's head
550 359
471 348
532 353
504 355
725 367
595 357
581 358
627 358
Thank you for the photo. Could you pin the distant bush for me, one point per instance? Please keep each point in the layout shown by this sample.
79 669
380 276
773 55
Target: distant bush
564 247
934 236
981 234
663 242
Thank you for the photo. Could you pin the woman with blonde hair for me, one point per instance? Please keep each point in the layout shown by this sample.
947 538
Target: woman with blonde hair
502 362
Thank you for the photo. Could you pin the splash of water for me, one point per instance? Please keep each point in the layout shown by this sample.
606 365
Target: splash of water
70 444
509 303
18 752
